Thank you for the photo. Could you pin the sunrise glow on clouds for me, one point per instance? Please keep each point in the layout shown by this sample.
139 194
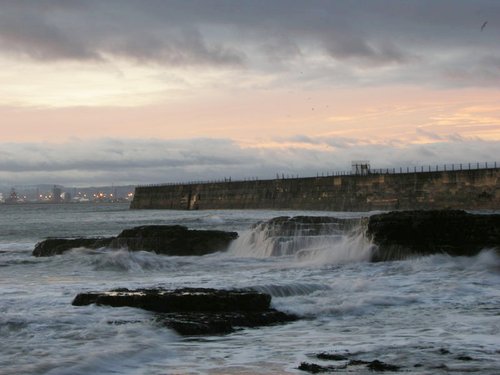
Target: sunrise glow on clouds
155 91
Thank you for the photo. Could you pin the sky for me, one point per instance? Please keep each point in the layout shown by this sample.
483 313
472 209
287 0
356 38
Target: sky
117 92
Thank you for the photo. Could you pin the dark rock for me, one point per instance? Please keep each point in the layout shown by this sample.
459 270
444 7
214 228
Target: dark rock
314 368
331 357
377 365
195 311
179 300
161 239
206 323
357 362
55 246
465 358
400 234
174 240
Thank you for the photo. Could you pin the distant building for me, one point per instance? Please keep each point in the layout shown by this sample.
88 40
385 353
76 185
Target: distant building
56 194
13 198
66 197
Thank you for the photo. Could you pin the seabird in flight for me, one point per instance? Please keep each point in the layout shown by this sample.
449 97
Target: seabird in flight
483 25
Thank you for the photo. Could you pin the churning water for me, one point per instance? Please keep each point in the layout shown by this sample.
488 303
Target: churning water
435 314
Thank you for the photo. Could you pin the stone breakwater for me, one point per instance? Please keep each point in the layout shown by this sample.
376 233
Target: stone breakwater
461 189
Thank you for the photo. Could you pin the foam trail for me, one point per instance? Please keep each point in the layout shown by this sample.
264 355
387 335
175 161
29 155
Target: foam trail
289 290
353 247
120 260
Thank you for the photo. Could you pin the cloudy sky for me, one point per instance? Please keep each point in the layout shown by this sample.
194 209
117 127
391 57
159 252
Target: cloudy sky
144 91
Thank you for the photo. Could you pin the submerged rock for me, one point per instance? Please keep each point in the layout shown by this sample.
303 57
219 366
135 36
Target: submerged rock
400 234
161 239
195 311
56 246
314 368
347 364
377 365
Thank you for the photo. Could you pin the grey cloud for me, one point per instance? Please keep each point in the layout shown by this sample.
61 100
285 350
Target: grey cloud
87 163
357 48
109 155
79 30
242 33
31 35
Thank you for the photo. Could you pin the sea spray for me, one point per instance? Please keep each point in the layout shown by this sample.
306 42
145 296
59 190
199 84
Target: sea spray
313 241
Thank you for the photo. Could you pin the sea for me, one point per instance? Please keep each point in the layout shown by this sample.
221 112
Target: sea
427 315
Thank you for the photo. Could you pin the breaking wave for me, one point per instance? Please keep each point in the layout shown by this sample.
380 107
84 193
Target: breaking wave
313 243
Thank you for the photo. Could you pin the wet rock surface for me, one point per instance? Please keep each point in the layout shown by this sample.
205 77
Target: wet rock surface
194 311
161 239
345 363
306 225
400 234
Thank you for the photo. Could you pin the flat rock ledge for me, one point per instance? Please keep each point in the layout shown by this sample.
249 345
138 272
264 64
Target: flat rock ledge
161 239
195 311
400 234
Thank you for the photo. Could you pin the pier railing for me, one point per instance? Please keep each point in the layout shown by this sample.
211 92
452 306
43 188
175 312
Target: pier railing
399 170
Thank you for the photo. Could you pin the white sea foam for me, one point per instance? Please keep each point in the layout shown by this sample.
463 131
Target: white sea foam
134 261
332 247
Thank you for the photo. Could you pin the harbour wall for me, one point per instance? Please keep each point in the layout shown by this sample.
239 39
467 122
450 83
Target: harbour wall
458 189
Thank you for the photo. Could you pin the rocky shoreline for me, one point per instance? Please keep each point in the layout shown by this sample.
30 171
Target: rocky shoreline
394 235
202 311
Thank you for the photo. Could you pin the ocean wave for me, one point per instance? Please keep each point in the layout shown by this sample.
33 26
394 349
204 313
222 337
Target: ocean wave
11 247
134 261
289 290
487 260
105 259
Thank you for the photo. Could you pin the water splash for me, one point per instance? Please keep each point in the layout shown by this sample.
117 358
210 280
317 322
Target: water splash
309 240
